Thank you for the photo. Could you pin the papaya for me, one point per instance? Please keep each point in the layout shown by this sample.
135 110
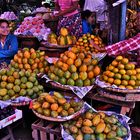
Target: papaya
62 101
57 94
63 31
50 99
62 40
87 122
69 40
87 130
96 120
73 129
100 128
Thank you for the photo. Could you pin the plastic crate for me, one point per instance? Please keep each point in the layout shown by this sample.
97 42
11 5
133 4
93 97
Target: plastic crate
45 130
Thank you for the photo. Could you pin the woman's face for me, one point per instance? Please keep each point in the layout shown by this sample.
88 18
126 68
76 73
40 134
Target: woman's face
91 19
4 29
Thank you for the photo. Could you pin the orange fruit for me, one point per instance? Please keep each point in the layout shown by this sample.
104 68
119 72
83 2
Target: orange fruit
54 107
83 68
81 56
119 58
34 66
117 82
122 71
110 67
111 74
37 60
70 61
94 62
117 76
74 50
97 70
16 75
71 55
121 66
32 50
124 83
125 61
105 78
78 62
16 58
72 68
59 63
40 65
65 67
20 66
129 72
27 66
134 72
19 60
129 87
138 70
26 54
64 58
115 70
87 61
90 68
110 80
114 63
122 87
132 82
25 60
90 74
20 54
83 75
126 77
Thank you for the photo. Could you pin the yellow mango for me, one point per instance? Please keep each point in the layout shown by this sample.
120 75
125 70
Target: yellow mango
96 120
87 130
107 129
79 123
87 122
89 115
50 99
102 114
100 128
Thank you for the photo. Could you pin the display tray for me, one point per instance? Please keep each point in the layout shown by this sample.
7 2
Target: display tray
59 118
114 88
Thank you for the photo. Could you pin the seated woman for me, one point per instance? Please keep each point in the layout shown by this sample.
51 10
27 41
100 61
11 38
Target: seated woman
8 42
88 21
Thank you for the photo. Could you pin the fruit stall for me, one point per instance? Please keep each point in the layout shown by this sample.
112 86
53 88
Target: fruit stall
70 84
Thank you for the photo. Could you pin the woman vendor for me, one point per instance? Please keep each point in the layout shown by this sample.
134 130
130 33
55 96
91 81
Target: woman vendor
69 16
8 42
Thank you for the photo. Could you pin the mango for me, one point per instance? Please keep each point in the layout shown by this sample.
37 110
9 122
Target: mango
87 130
87 137
87 122
79 137
79 123
63 31
92 137
62 101
45 105
54 114
69 40
36 105
111 135
100 128
62 40
89 115
124 130
102 114
107 129
73 129
100 137
66 106
47 112
96 120
57 94
50 99
114 127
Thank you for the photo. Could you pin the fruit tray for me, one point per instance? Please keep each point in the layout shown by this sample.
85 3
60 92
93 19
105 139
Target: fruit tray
122 121
114 88
55 46
59 118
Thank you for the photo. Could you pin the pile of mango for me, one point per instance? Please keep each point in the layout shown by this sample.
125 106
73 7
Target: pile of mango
18 83
75 68
63 39
31 60
56 105
96 126
84 43
122 73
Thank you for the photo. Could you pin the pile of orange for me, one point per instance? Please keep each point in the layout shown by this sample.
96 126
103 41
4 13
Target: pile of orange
122 73
84 43
30 60
74 68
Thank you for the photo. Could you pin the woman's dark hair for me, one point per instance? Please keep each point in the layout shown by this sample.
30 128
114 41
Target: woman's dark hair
4 21
86 14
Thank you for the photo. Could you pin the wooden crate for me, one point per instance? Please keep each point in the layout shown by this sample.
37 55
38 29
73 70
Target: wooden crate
45 130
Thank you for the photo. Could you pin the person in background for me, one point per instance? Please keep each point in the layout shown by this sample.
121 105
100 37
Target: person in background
69 16
88 21
8 42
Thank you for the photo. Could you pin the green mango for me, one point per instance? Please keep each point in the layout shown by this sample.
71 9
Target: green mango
100 137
